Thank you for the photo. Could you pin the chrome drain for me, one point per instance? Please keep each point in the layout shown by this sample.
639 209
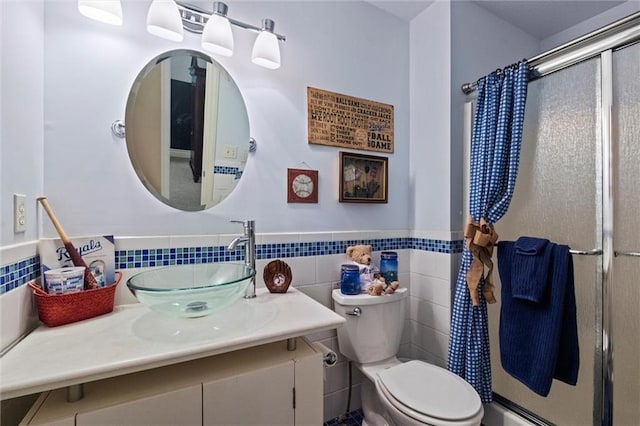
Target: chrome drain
196 306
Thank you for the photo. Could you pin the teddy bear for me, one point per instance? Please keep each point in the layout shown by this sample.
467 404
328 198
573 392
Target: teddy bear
360 255
371 281
379 287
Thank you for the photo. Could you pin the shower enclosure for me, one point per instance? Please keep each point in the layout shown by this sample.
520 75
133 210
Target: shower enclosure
578 185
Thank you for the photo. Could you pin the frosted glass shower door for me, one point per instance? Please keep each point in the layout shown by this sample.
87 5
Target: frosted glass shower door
625 293
557 196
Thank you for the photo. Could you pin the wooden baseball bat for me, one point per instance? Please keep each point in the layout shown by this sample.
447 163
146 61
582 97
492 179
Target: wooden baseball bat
89 280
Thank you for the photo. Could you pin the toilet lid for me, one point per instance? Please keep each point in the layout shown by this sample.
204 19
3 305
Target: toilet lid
431 390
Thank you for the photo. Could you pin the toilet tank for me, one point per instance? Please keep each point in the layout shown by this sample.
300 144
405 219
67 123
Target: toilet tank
374 334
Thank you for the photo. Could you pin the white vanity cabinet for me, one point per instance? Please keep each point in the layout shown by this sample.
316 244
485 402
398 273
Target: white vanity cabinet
286 391
262 385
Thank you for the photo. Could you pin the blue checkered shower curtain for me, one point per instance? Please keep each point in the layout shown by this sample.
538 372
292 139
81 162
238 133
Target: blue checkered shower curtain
495 152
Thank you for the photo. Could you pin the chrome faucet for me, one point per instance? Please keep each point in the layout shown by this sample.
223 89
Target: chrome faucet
248 239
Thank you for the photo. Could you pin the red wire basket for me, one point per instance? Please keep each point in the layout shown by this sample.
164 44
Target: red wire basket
59 309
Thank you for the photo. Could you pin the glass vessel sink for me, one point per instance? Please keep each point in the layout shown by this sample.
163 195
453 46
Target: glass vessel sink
191 290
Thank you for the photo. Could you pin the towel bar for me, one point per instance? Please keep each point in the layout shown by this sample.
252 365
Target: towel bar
627 253
594 252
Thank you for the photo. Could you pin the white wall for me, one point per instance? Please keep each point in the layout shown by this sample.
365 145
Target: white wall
351 48
585 27
430 77
21 115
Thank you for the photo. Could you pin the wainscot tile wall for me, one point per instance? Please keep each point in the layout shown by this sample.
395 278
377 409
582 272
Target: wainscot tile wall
23 271
426 268
19 273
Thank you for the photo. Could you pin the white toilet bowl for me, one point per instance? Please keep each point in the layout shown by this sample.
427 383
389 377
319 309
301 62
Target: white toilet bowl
395 393
417 393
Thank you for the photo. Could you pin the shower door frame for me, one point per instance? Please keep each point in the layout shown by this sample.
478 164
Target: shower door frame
600 43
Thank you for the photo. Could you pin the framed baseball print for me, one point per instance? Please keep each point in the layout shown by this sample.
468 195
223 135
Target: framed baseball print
302 186
363 178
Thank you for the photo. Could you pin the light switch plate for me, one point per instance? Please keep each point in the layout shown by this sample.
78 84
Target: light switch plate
230 152
19 213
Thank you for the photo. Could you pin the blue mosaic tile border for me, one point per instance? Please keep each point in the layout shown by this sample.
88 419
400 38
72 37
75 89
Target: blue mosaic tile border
144 258
17 274
223 170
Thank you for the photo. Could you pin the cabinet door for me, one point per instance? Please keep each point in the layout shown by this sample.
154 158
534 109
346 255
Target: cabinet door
258 397
309 390
181 407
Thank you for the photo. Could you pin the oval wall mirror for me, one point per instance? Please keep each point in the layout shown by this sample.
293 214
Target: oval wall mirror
187 130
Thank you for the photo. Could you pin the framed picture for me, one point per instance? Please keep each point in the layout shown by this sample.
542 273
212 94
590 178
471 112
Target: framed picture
302 186
363 178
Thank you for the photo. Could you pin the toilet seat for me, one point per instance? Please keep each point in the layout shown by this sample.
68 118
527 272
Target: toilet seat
430 394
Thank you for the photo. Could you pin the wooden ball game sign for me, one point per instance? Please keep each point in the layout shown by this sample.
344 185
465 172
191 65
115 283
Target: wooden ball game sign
347 122
302 186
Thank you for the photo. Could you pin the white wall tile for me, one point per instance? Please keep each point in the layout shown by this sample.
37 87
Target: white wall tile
303 270
134 243
421 354
430 314
352 235
17 252
281 238
336 377
406 331
312 237
328 267
433 234
178 241
123 294
400 233
431 263
433 289
429 339
405 351
321 335
225 239
321 293
18 315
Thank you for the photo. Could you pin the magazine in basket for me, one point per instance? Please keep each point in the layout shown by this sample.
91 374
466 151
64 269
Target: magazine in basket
98 252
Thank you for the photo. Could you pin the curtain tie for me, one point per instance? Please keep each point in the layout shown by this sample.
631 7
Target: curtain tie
480 239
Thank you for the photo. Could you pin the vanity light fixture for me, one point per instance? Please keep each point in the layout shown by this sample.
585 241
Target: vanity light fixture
107 11
163 20
266 51
168 18
217 38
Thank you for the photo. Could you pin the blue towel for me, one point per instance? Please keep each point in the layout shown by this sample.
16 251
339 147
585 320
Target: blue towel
539 340
530 245
530 268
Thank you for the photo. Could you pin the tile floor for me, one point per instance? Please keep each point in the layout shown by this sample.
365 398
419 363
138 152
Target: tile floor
354 418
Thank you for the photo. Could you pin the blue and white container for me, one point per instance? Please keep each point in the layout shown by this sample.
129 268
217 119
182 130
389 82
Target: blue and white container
64 280
389 266
350 279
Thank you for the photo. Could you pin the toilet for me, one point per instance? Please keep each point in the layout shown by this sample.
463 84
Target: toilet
395 392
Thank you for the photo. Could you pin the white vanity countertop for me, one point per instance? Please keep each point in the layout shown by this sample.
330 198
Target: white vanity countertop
133 338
